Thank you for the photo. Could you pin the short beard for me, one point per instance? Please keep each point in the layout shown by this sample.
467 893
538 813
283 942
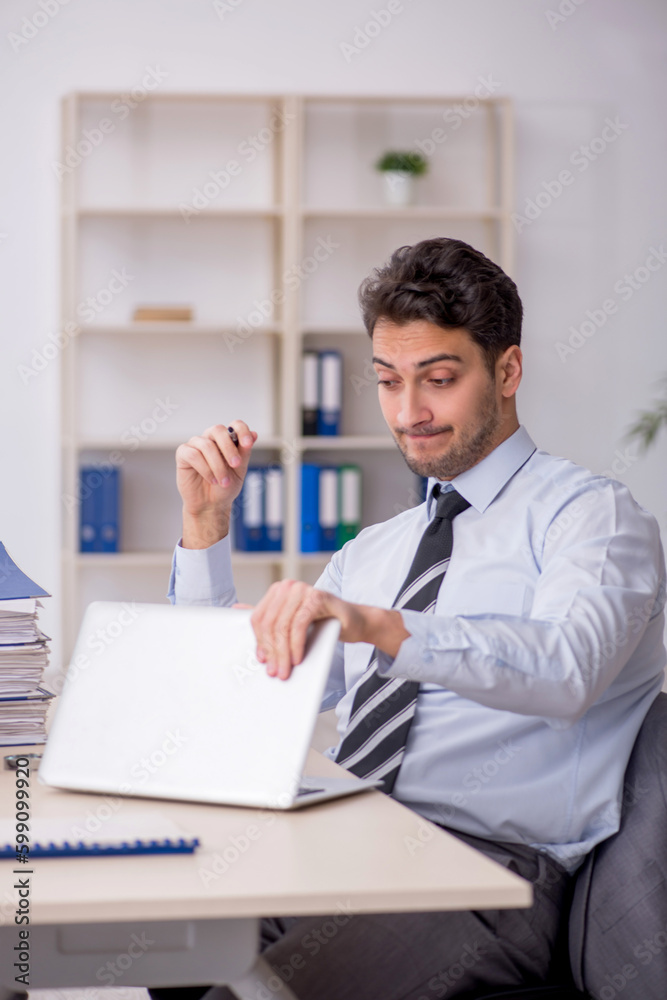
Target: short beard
468 451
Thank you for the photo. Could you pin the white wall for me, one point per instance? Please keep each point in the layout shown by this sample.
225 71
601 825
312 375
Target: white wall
604 59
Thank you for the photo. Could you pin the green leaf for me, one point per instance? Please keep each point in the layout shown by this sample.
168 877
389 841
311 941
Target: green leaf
646 427
405 160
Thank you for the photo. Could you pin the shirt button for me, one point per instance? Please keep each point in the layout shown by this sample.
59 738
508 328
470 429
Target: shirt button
427 656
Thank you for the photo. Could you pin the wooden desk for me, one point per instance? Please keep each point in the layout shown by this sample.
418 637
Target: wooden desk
201 911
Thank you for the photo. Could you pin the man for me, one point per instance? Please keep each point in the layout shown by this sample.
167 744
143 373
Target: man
500 644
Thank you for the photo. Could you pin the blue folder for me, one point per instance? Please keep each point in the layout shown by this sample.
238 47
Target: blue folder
14 584
310 508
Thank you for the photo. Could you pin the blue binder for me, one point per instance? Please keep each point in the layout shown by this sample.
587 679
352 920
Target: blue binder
273 509
99 526
109 506
328 508
248 513
310 513
330 393
89 483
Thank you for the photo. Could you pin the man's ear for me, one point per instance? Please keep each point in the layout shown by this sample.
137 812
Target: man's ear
509 369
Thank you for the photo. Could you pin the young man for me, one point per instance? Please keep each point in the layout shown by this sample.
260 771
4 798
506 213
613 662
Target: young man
500 644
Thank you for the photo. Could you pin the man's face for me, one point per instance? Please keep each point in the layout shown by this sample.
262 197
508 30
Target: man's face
438 397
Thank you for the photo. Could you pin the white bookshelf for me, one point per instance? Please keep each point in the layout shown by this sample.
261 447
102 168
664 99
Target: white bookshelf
144 204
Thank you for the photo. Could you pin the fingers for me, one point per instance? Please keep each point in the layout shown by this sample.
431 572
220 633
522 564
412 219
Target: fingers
281 621
214 455
246 437
203 455
272 622
234 455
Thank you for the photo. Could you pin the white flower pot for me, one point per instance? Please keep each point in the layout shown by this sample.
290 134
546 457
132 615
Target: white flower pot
399 187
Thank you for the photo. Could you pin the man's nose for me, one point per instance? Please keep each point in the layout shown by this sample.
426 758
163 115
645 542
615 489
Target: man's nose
413 409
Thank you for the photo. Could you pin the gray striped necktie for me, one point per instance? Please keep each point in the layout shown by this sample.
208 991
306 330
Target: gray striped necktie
383 707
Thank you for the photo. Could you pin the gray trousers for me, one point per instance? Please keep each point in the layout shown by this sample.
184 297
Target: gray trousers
422 956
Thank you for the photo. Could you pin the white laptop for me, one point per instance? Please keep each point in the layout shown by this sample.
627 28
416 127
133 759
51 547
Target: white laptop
171 702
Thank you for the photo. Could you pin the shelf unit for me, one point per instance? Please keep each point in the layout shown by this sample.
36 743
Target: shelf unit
270 255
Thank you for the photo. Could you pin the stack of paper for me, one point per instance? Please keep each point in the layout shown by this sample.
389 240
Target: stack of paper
24 655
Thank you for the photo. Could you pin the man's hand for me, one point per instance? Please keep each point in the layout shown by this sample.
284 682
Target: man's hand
282 617
210 470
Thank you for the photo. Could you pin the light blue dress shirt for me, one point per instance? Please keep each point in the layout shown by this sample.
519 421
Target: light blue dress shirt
539 663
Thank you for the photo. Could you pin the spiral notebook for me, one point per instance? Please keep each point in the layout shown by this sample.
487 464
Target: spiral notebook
71 837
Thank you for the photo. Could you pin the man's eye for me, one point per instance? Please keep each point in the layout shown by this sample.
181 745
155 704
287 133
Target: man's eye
442 381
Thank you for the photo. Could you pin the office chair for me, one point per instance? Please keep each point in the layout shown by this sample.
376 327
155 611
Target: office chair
618 916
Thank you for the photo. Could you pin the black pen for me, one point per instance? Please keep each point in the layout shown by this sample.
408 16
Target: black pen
233 435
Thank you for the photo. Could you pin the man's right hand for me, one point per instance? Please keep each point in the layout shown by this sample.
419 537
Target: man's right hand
210 470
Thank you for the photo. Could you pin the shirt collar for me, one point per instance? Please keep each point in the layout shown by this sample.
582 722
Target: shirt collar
481 484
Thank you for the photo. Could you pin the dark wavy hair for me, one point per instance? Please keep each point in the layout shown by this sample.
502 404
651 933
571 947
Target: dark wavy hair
450 284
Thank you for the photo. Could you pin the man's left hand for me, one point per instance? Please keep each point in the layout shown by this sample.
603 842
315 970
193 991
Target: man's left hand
282 617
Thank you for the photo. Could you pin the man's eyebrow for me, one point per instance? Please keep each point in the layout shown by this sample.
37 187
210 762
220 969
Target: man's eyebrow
422 364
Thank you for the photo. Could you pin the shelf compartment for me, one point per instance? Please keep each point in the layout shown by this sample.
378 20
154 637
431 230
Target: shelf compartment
361 416
330 294
345 139
163 151
222 267
148 584
115 581
387 486
151 510
178 380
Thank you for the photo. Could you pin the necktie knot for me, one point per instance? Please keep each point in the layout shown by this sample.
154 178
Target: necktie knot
449 503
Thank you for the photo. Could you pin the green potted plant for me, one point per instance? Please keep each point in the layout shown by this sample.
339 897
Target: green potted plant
648 423
399 169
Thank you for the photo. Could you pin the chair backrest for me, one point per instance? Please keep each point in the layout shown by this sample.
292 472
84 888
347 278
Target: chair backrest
618 919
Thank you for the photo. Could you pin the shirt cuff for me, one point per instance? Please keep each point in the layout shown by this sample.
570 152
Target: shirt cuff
202 576
416 654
